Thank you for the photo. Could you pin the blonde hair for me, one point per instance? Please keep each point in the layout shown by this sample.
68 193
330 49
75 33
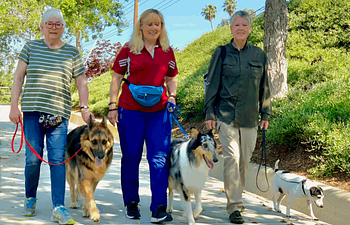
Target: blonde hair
136 42
49 13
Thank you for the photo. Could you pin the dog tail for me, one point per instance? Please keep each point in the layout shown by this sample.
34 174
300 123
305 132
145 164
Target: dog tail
276 165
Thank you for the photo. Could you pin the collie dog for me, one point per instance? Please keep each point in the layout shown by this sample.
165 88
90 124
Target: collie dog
190 162
89 166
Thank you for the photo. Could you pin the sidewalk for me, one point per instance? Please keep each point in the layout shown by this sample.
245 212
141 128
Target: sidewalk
108 194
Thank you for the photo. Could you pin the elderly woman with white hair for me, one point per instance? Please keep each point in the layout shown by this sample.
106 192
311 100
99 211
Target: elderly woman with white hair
48 65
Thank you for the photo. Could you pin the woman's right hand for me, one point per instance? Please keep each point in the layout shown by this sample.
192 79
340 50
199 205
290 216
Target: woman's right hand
15 115
210 124
113 117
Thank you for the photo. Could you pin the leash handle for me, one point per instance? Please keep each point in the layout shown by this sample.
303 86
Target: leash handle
31 148
263 140
174 111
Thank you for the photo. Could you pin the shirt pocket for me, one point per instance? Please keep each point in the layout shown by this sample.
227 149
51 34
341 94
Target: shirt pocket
256 69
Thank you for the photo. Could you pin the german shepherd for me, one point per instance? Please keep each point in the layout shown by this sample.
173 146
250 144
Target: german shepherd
190 162
89 166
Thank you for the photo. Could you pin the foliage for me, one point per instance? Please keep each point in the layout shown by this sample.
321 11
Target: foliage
230 6
209 13
101 58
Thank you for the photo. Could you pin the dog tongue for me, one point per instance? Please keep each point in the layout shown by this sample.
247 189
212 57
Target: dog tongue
209 164
98 162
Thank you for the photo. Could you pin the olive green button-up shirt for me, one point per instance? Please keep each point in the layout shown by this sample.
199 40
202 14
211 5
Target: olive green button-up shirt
237 88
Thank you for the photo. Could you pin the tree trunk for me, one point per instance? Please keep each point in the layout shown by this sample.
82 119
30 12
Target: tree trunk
211 23
275 38
78 40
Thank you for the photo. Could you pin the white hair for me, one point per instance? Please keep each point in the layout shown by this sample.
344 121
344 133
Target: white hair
49 13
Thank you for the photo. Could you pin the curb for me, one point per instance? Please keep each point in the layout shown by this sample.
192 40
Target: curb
336 201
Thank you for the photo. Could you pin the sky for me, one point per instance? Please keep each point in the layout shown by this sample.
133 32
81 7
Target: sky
183 20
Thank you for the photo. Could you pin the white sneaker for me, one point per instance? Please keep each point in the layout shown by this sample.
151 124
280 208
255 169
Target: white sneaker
60 214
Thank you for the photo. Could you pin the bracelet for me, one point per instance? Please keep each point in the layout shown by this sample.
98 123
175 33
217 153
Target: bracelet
112 103
84 107
174 96
112 109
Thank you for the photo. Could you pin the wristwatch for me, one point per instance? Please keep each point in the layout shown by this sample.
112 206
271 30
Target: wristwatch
84 107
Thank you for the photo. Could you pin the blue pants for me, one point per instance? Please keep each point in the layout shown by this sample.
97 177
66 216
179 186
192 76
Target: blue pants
134 129
56 139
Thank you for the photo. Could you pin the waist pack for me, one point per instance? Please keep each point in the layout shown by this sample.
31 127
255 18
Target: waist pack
48 120
145 95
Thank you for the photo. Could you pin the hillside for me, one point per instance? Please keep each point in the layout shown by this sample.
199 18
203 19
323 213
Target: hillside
313 119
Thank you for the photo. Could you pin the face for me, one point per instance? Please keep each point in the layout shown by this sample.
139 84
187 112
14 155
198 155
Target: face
151 28
240 29
50 29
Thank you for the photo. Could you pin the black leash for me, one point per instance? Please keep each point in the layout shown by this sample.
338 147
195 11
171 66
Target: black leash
263 145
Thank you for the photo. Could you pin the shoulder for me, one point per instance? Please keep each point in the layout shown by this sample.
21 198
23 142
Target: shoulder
71 48
256 49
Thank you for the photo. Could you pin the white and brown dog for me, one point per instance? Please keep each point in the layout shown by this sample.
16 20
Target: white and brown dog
295 186
190 162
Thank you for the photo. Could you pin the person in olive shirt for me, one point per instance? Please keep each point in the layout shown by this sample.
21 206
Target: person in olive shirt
237 91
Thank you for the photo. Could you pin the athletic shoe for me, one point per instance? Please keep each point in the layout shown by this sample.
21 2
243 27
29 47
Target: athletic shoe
132 210
236 217
60 214
160 215
29 207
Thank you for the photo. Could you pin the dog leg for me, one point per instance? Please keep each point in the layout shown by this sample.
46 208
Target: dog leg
309 205
72 176
188 211
171 199
289 202
278 203
90 208
198 202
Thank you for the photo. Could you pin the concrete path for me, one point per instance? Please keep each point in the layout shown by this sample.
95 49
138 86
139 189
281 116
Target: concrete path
108 194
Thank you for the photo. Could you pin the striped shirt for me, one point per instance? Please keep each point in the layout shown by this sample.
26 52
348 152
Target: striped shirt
48 77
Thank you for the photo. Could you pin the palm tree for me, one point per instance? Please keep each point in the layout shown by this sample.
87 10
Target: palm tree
230 6
209 13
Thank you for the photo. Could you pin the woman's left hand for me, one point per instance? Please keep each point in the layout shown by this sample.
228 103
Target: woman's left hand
172 100
86 114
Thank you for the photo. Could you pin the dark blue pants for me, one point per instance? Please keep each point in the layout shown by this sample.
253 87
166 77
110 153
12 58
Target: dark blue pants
56 139
134 129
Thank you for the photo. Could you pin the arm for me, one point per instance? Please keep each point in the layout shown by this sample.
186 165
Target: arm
265 97
171 85
113 96
83 97
212 88
18 79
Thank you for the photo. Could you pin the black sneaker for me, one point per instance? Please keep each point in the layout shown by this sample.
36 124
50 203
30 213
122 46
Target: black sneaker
160 215
132 210
236 217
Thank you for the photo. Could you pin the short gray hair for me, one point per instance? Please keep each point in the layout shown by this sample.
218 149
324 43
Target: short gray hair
49 13
242 14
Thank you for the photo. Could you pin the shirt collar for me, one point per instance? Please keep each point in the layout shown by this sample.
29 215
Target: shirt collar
234 48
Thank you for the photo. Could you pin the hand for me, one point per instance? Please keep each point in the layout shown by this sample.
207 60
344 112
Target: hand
113 117
264 124
15 115
210 124
172 100
86 114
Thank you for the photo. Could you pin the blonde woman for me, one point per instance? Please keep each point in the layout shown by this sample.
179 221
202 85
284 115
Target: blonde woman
49 65
146 60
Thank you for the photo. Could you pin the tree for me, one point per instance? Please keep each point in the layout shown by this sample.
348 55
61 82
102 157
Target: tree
230 6
209 13
251 13
275 38
223 23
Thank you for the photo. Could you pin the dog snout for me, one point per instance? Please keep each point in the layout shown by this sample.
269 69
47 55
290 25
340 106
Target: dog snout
215 159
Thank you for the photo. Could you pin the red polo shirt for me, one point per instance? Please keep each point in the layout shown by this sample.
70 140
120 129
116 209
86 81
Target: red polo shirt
144 69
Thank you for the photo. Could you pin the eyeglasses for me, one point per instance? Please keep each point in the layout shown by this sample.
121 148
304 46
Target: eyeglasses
50 25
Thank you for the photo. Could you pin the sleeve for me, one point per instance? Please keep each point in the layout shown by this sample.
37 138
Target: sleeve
25 52
78 67
265 107
121 62
172 66
212 85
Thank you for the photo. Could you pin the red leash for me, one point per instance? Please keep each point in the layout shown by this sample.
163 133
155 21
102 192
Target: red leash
22 137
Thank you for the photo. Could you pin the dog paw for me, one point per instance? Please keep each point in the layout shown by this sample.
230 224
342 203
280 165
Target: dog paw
315 218
169 210
86 213
95 217
74 205
196 212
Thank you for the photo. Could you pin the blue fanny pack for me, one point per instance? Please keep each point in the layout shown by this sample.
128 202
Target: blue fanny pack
145 95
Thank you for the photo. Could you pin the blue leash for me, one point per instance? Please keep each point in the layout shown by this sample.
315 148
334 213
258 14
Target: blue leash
171 112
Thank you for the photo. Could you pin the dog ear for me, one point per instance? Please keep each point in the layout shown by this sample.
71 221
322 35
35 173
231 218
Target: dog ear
90 122
213 132
194 133
104 121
